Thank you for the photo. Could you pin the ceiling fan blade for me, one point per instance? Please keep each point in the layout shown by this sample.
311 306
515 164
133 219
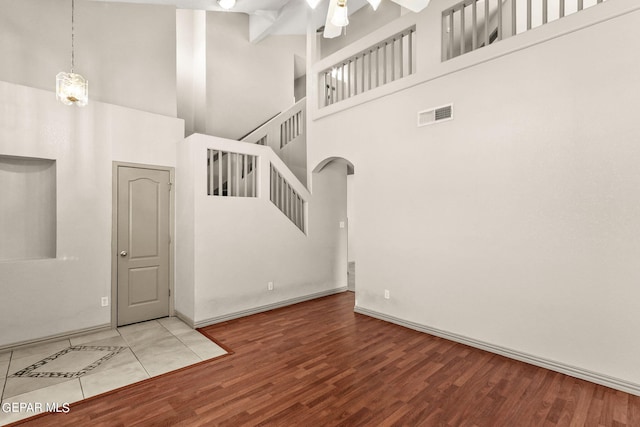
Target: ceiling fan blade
331 31
413 5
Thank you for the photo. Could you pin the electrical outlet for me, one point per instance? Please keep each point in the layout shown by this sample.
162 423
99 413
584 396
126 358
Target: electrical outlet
386 294
270 286
104 301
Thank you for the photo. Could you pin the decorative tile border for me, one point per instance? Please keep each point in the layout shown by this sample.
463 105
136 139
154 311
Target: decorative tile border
28 371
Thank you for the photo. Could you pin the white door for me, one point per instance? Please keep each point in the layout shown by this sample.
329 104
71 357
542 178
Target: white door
143 205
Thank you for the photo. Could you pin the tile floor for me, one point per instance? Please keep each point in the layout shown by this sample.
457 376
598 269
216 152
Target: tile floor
70 370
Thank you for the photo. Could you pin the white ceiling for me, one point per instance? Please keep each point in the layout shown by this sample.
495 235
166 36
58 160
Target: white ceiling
277 17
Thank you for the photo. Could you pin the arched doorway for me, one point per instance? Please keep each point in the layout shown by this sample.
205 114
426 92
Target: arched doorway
351 222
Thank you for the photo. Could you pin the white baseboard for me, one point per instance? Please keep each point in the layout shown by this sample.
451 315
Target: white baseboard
186 319
263 308
56 337
573 371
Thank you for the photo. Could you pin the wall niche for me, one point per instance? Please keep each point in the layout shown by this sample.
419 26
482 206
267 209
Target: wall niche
27 208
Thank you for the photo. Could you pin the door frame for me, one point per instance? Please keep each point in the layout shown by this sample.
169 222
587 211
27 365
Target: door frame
114 235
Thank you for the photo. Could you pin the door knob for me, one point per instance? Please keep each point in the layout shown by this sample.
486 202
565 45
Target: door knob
123 253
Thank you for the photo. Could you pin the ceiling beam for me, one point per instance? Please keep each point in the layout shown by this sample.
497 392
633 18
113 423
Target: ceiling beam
261 26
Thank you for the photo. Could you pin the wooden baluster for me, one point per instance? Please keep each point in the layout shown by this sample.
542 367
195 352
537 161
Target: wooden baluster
289 202
384 61
378 66
334 89
283 189
486 23
326 91
209 173
301 122
356 71
229 174
401 60
369 61
237 162
410 49
245 169
514 18
349 76
339 82
272 194
299 216
393 59
474 25
219 173
463 30
254 173
500 34
276 180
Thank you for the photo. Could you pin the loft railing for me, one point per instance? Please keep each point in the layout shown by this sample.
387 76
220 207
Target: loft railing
286 198
382 63
472 24
231 174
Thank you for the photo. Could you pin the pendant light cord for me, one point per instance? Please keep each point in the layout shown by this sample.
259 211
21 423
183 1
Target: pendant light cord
72 35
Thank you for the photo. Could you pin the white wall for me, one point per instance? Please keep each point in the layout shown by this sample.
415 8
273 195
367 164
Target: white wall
191 66
516 223
241 244
45 297
126 51
351 214
247 83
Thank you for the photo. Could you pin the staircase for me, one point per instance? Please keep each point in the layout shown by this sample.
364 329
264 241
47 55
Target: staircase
285 135
268 162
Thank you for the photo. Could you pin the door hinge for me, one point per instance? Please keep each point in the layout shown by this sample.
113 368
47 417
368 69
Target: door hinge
170 186
169 292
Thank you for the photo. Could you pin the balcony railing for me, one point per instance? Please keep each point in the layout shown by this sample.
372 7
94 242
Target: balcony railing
382 63
472 24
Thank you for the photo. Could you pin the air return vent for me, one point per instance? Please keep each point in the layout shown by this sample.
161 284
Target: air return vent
435 115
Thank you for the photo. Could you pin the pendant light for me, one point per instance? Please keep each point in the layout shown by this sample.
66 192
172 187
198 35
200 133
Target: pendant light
72 88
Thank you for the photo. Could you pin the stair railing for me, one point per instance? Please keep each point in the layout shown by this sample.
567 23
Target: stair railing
286 198
285 135
235 169
281 129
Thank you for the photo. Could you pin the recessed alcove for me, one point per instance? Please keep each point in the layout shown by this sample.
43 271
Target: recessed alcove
27 208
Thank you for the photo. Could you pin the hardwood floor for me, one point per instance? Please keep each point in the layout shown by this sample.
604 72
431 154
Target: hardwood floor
319 364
